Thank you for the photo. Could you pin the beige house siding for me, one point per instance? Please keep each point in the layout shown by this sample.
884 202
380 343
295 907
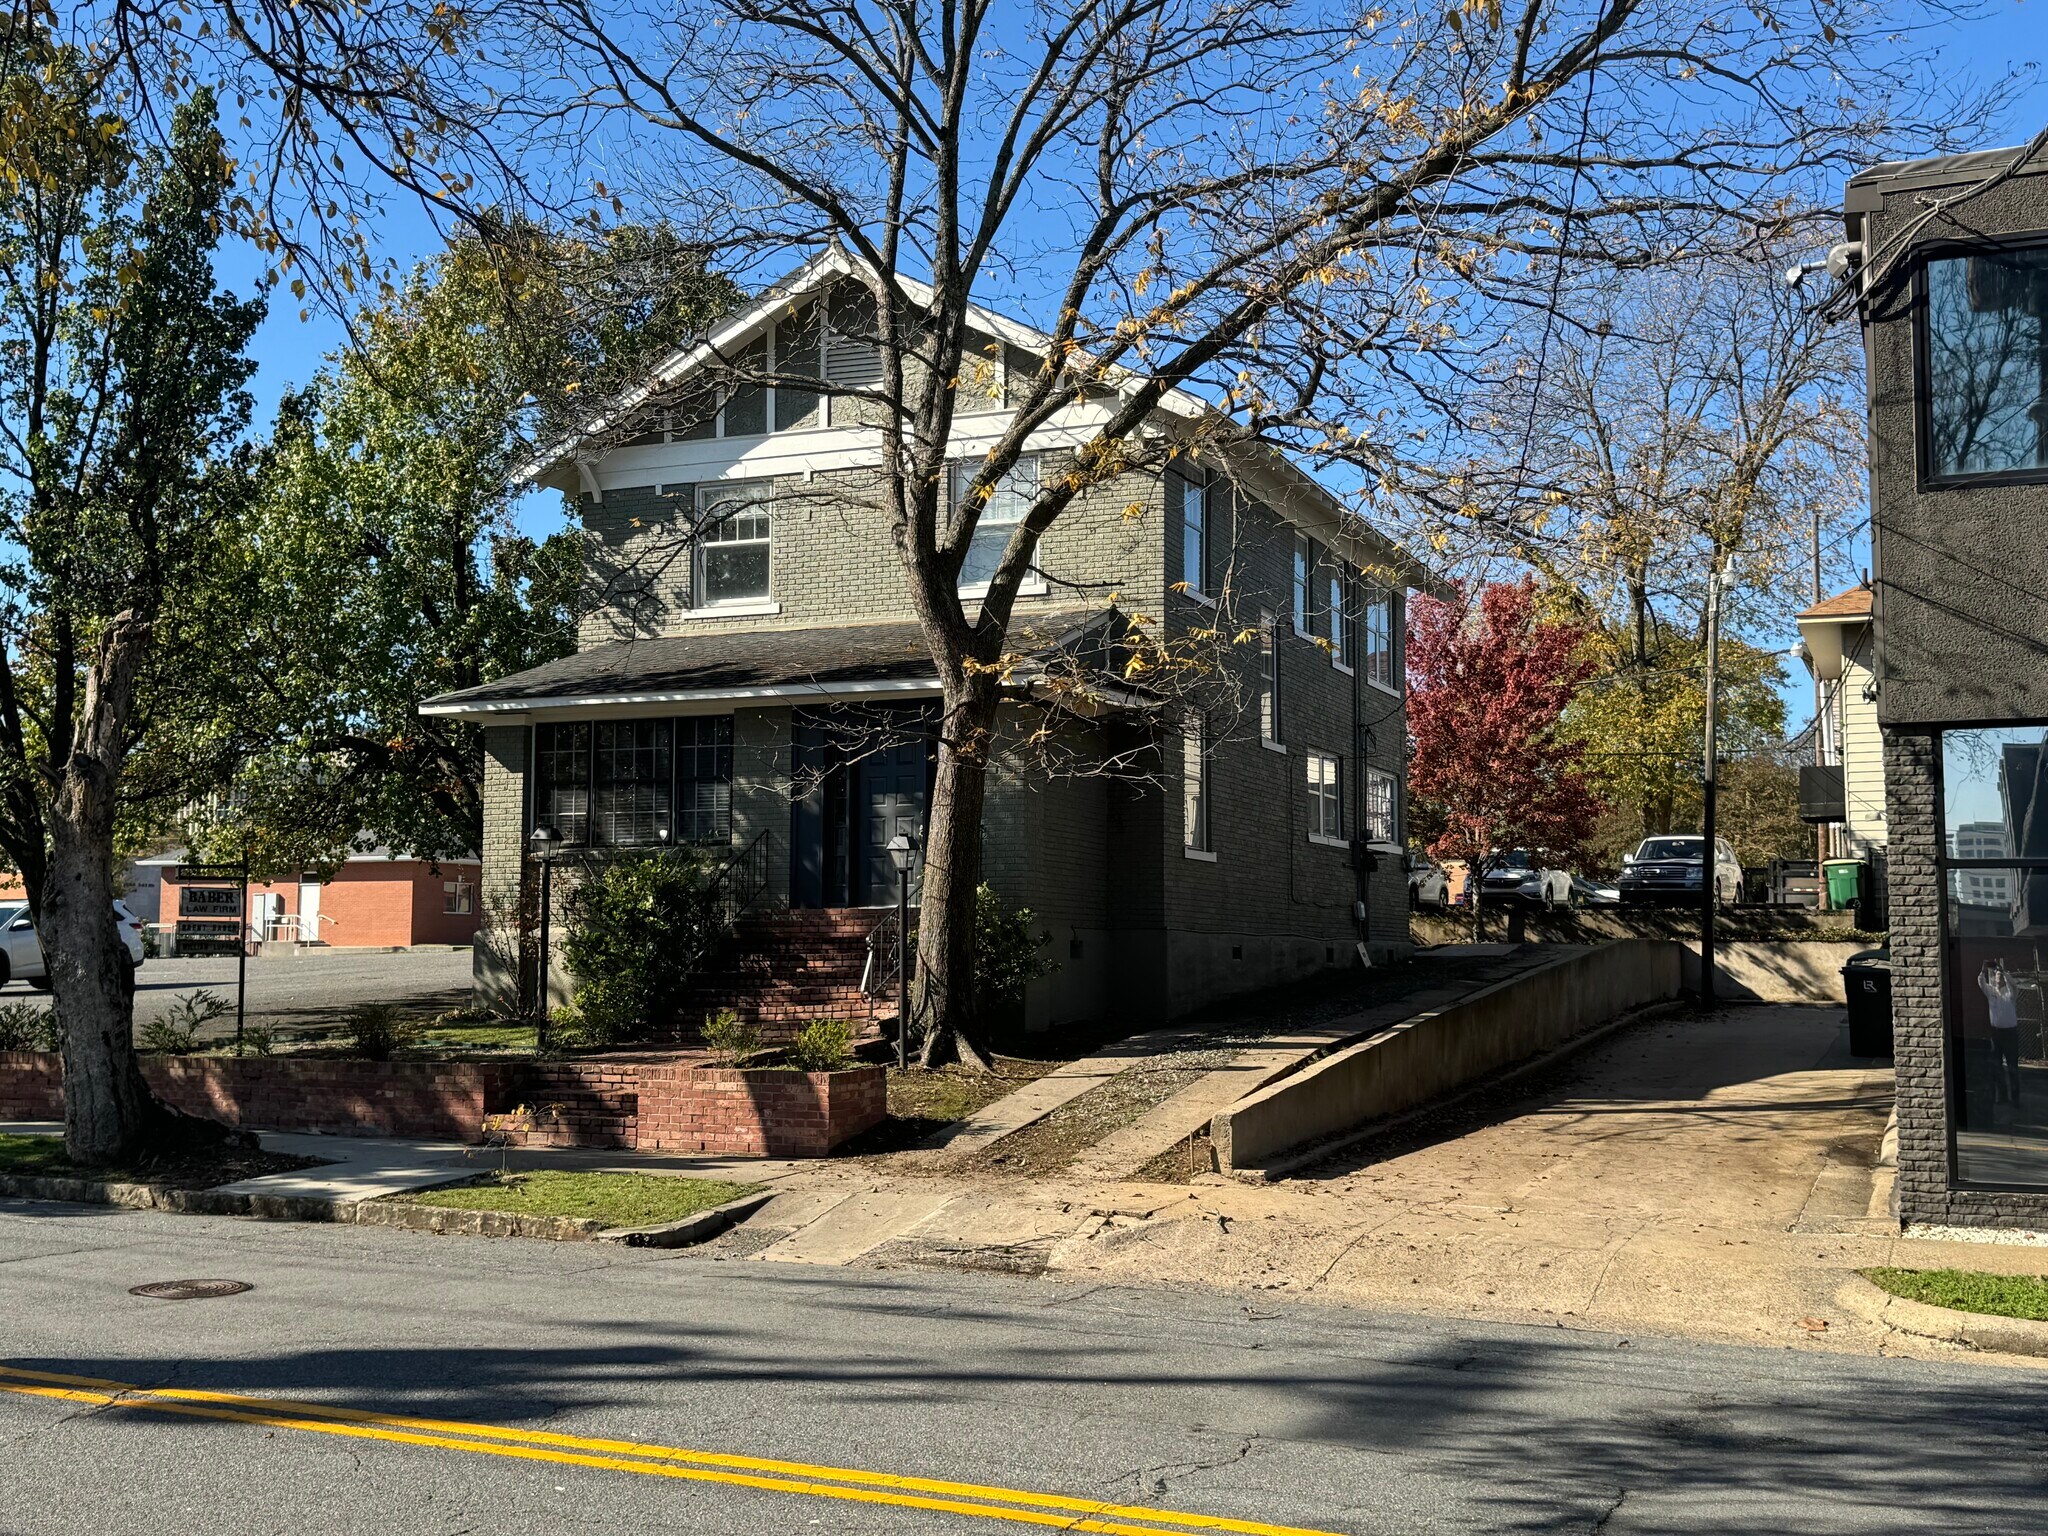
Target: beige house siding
1862 757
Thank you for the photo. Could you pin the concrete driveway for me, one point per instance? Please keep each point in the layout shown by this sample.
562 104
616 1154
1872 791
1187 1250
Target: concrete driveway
296 993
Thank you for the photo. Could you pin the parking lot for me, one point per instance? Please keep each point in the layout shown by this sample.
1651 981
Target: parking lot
301 993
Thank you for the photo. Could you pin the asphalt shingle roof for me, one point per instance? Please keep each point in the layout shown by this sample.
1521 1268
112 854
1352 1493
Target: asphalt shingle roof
1852 604
679 665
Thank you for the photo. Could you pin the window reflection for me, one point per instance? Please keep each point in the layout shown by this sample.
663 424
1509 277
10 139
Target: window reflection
1995 816
1987 363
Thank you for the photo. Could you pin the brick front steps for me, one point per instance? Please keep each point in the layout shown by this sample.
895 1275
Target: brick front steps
784 969
648 1102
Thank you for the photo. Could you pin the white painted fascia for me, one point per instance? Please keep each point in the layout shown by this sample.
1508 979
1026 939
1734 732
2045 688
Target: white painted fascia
496 709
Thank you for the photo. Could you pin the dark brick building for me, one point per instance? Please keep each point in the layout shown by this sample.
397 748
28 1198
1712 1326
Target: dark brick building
1953 278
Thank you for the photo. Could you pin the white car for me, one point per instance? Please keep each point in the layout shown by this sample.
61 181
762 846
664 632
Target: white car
21 952
1529 878
1429 888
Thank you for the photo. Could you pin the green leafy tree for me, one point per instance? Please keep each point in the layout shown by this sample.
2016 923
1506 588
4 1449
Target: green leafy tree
385 564
122 407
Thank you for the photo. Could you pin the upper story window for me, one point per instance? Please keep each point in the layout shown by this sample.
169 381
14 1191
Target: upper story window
1304 568
1379 640
1194 786
734 529
834 343
1984 366
1000 515
1343 636
1269 680
1194 537
1325 796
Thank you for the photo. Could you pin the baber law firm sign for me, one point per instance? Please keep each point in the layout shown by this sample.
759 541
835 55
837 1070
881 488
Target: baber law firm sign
209 909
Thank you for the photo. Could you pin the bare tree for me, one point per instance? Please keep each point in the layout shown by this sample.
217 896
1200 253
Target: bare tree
1217 211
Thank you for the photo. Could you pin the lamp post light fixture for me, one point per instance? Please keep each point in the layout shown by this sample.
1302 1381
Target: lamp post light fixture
902 850
545 840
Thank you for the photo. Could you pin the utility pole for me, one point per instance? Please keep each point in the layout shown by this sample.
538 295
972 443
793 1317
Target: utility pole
1820 736
1710 868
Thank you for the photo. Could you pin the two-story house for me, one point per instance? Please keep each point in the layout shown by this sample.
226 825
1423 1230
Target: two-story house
1950 262
1838 642
752 680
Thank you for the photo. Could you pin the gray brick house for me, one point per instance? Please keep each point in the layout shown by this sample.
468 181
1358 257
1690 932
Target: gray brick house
751 680
1953 273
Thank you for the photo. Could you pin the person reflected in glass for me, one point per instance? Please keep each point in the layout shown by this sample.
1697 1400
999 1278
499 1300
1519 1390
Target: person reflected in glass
1995 981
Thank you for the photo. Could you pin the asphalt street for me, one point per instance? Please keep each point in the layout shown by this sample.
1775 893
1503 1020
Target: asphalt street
583 1388
308 991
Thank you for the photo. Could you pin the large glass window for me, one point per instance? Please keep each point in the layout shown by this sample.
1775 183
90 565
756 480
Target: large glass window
733 532
1995 849
1985 372
635 783
1005 509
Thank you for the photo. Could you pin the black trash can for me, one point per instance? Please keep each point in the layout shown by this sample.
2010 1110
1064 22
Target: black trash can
1867 983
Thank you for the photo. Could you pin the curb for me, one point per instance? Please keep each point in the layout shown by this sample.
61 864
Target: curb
1972 1330
447 1220
700 1228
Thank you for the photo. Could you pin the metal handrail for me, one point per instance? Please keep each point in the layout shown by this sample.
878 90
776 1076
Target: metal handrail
878 973
741 879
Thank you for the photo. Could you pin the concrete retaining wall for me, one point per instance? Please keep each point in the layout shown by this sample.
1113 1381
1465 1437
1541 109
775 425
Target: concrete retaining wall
1793 972
1433 1053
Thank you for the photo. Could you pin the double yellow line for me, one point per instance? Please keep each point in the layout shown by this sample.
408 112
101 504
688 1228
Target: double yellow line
971 1499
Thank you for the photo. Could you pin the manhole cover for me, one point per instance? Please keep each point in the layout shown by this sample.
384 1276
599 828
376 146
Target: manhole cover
189 1290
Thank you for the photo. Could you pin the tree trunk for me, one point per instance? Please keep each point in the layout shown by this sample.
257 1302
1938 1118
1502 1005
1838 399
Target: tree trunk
110 1116
107 1105
942 1001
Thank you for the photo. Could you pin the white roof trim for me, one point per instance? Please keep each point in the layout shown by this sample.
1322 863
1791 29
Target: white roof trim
492 708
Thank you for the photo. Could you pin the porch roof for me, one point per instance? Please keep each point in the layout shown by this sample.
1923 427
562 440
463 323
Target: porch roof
839 662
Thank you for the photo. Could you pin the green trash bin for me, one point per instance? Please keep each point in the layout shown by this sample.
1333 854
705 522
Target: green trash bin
1845 882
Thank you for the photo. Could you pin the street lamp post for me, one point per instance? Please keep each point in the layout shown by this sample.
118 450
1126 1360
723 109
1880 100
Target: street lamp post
902 850
545 839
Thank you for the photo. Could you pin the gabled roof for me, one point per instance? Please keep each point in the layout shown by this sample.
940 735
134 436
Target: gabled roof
1258 461
1852 604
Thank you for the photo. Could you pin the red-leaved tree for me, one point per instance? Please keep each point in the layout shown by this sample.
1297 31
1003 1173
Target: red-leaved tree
1487 682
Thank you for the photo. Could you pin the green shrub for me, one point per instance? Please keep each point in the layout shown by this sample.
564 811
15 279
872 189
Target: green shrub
1008 956
259 1040
25 1027
731 1038
823 1045
376 1031
638 929
176 1031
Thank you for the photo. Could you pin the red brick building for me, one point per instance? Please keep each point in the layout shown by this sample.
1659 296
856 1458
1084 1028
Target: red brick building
374 900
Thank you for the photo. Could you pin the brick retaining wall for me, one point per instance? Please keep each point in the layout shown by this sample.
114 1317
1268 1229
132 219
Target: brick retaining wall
628 1103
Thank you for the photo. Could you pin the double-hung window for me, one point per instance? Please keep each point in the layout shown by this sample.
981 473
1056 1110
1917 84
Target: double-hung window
734 528
1194 788
1007 503
1379 640
1304 568
1269 680
1343 641
1194 537
629 783
704 779
457 897
1382 823
1325 797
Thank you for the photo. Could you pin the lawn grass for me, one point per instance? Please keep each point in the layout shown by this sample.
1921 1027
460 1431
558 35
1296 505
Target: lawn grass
33 1154
495 1037
1968 1290
616 1199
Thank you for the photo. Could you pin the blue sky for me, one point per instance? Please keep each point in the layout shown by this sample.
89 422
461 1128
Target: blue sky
2009 35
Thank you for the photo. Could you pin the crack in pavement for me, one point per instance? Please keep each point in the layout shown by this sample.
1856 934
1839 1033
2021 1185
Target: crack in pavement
1153 1474
1620 1498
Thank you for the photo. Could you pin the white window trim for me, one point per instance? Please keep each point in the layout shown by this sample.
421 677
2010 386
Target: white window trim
1200 599
1034 583
1322 840
1387 688
1200 855
1315 793
1274 746
1348 671
1269 624
1194 589
740 606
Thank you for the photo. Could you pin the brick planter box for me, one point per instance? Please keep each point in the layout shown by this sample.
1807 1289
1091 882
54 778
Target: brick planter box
649 1104
755 1111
